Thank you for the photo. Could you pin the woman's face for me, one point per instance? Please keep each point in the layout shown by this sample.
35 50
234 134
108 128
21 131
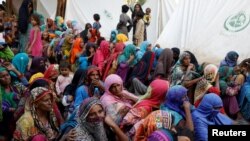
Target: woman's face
5 78
45 103
94 75
96 112
137 8
186 60
116 89
149 48
111 47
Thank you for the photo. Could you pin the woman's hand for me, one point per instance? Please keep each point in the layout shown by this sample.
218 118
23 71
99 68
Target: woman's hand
71 135
109 121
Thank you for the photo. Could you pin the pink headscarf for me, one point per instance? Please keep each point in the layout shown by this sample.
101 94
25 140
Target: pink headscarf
157 95
101 55
108 98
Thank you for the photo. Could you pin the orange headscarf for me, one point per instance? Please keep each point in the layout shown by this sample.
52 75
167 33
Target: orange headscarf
75 50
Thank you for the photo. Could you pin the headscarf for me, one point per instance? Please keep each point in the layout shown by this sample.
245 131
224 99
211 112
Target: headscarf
89 71
162 135
90 130
23 17
210 72
157 52
174 99
208 113
129 49
193 60
53 70
156 120
36 76
113 57
101 55
20 62
201 89
37 94
164 64
143 48
156 93
66 47
143 68
230 59
113 36
121 38
75 50
108 98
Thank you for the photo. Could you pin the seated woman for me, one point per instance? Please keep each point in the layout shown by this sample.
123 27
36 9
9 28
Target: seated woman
178 105
126 60
156 93
40 119
95 125
116 101
230 59
184 73
208 113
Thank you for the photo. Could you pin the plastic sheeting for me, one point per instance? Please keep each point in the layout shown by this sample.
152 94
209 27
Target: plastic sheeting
209 29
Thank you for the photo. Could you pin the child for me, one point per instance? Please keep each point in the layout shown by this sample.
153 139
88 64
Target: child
95 31
146 19
35 47
147 16
64 78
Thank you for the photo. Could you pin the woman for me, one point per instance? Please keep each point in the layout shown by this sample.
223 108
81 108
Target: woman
208 113
93 123
139 77
184 73
12 100
25 11
230 59
178 105
164 64
66 46
209 84
144 47
140 29
40 119
75 52
37 65
116 101
84 34
21 61
111 64
126 60
156 93
229 91
101 55
137 9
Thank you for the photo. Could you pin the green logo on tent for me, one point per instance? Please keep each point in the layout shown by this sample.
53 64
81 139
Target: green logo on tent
237 22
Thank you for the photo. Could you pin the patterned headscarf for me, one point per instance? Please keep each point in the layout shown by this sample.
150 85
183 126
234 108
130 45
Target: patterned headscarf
87 128
37 94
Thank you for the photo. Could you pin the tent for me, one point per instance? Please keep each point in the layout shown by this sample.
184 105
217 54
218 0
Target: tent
209 29
47 8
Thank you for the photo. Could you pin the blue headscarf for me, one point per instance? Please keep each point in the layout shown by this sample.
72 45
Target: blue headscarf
143 49
113 36
230 59
157 52
174 99
20 62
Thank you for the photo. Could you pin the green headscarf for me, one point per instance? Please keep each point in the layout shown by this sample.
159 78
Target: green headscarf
1 96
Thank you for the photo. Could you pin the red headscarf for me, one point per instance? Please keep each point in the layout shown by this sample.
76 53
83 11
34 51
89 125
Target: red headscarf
118 50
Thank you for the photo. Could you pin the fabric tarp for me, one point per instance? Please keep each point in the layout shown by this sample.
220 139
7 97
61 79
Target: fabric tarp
209 29
47 8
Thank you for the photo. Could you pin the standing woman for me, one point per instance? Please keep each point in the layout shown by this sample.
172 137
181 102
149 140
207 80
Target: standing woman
137 8
35 47
140 28
25 12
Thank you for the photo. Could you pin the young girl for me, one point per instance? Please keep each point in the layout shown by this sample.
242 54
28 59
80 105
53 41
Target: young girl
64 78
35 42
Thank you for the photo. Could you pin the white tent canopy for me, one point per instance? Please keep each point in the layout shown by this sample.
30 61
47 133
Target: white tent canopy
47 8
209 29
